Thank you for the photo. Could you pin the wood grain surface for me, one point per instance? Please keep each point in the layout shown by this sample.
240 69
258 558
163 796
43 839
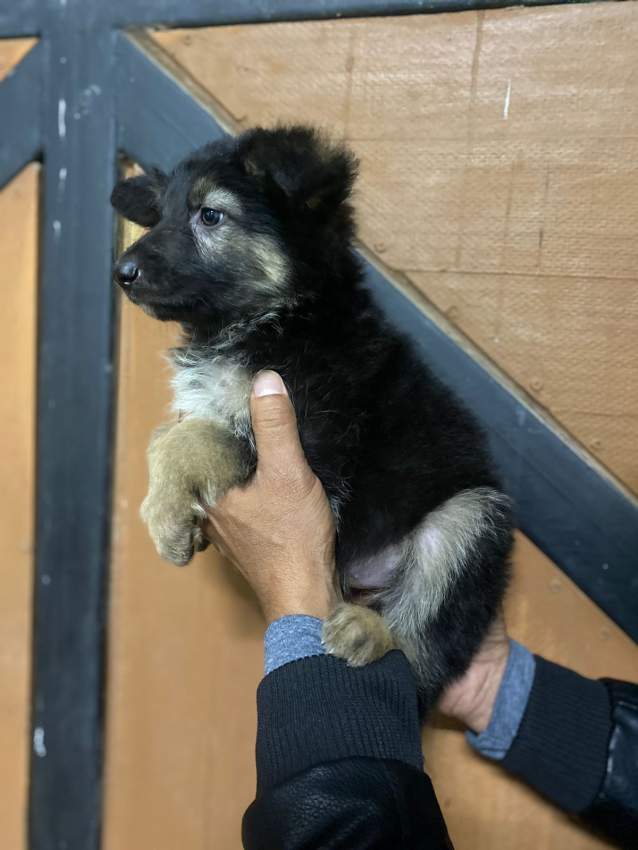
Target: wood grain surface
18 259
184 652
11 52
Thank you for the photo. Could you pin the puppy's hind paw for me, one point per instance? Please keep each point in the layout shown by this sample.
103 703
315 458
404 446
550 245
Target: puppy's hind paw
356 634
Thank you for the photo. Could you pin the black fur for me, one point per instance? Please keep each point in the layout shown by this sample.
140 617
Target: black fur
141 197
389 442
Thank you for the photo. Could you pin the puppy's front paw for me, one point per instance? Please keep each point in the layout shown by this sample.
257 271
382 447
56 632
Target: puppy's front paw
356 634
173 528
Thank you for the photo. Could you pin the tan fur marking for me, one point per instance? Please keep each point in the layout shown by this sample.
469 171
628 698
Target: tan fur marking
221 199
272 261
200 188
190 463
356 634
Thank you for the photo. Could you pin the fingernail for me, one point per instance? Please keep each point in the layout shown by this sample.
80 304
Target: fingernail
268 383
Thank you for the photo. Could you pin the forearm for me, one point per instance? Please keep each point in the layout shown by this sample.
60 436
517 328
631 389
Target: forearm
560 748
318 710
573 739
352 804
550 727
339 761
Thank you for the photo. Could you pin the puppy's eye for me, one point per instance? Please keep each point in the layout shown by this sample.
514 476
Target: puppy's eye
211 217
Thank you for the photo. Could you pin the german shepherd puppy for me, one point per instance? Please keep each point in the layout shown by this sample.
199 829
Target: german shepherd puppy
250 250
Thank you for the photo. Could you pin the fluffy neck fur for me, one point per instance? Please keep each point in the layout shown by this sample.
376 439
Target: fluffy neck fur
322 313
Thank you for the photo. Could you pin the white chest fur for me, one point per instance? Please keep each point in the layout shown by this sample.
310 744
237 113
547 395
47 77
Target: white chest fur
215 388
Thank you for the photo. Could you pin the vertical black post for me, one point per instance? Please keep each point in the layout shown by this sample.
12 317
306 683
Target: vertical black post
75 381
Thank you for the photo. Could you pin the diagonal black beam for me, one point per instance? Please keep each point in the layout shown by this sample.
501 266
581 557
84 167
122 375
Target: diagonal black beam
190 13
575 514
148 97
21 136
19 18
74 431
571 511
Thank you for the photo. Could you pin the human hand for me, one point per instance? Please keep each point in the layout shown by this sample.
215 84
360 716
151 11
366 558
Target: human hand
278 529
471 698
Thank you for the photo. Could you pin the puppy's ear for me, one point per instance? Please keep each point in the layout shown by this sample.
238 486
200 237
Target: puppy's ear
139 198
312 173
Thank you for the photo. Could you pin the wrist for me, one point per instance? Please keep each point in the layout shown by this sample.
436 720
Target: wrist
295 609
471 699
477 718
318 601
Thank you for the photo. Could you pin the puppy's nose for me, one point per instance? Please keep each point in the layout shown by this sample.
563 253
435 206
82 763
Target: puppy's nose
127 272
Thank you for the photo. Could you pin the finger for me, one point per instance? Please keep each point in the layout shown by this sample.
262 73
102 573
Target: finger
215 541
275 426
208 528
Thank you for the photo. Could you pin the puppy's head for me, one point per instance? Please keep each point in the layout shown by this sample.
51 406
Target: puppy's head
239 228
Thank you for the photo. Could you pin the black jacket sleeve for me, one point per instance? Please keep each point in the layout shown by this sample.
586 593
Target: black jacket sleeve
339 761
578 746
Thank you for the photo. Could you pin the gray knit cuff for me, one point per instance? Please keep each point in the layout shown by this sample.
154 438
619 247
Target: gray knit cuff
291 638
509 707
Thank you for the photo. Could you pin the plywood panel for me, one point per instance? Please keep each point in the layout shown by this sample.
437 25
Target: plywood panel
18 253
11 52
569 341
184 653
501 143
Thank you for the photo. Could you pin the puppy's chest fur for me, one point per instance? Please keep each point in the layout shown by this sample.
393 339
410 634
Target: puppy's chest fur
212 386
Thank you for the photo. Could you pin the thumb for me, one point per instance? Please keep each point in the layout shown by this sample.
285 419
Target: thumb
275 425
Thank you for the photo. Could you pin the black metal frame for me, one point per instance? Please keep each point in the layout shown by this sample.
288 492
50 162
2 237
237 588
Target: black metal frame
85 92
23 18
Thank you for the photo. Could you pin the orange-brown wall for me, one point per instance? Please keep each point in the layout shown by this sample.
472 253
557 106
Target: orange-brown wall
18 246
18 261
